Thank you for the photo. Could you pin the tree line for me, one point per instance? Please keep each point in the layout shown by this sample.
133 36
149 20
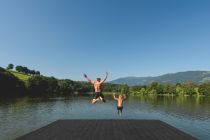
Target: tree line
23 69
182 89
38 85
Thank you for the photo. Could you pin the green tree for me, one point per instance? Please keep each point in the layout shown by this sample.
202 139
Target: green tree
153 85
2 69
32 72
152 89
52 85
25 70
204 89
37 73
189 88
66 87
142 91
22 69
169 89
10 67
180 90
160 89
124 89
18 68
38 86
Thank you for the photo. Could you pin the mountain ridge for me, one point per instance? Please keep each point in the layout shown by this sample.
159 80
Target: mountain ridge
173 78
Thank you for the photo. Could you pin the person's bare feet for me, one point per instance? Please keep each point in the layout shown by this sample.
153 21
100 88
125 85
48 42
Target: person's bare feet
94 101
101 98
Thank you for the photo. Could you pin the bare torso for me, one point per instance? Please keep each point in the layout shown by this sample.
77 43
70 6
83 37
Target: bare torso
97 86
120 102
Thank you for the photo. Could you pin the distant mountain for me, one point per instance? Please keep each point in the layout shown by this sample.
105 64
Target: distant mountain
180 77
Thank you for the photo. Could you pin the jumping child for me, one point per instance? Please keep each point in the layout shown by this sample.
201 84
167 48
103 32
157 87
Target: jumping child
120 100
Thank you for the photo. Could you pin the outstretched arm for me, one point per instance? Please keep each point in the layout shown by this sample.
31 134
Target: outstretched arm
115 97
88 79
105 78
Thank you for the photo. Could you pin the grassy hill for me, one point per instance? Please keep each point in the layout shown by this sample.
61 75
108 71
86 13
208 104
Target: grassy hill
173 78
21 76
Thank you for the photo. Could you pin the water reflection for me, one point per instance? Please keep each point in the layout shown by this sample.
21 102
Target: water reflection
20 116
190 107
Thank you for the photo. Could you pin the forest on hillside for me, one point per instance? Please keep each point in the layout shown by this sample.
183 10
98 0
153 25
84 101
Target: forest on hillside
26 82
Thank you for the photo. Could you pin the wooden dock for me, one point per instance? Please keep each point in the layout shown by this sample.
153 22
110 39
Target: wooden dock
107 130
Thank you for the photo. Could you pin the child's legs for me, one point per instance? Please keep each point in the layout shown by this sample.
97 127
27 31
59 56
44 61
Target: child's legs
120 109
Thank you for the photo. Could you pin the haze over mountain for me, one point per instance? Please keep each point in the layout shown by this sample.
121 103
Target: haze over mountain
180 77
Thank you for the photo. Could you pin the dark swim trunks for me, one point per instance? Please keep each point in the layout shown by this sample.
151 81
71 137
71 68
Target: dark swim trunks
99 94
120 108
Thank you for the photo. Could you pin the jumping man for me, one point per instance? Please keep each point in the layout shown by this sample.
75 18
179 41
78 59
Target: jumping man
97 86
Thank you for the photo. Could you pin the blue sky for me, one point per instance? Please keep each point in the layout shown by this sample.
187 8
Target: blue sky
66 38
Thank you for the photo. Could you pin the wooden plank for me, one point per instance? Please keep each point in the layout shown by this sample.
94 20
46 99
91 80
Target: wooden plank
107 130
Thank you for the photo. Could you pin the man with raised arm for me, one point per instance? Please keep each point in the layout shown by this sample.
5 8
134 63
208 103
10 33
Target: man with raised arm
97 87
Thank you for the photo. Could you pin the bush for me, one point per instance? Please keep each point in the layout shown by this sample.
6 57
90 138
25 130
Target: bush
10 85
40 85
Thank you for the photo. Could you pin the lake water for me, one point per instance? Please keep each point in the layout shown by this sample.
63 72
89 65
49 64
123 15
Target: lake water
20 116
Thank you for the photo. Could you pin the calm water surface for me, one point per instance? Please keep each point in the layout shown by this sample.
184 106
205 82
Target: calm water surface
20 116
